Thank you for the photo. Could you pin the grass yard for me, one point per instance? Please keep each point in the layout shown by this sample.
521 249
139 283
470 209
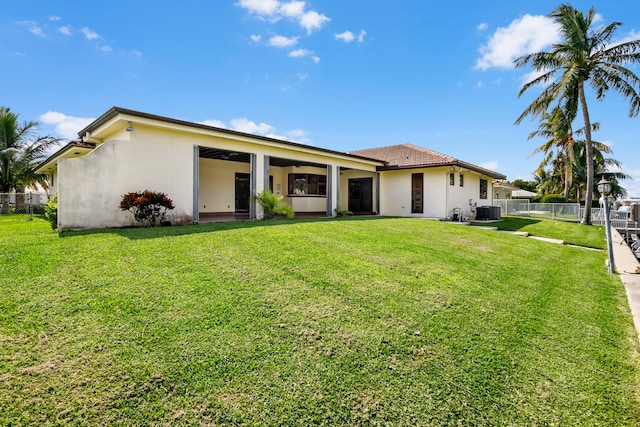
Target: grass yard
375 321
572 233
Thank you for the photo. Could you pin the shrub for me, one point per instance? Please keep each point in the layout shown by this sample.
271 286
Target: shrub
51 211
271 205
342 212
553 198
148 207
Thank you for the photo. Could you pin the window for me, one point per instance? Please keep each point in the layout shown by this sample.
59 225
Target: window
307 184
452 179
417 192
483 188
461 180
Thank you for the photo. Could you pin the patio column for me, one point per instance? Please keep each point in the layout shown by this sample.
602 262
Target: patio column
378 193
330 190
253 185
195 217
266 172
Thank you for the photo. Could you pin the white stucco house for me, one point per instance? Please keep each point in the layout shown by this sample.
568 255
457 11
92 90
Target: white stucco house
212 172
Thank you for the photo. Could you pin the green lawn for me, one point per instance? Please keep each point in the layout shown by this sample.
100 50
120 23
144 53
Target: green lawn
374 321
572 233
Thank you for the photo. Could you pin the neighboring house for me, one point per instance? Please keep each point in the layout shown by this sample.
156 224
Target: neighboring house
523 193
504 190
209 172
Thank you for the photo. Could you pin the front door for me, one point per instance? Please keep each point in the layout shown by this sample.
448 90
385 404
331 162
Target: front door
361 195
243 192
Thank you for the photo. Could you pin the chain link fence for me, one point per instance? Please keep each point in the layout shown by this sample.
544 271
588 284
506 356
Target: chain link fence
28 204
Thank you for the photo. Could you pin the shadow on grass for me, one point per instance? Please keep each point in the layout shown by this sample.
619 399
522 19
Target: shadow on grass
139 233
512 223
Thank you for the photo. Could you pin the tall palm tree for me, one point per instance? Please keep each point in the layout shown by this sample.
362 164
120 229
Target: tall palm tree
19 153
557 129
583 55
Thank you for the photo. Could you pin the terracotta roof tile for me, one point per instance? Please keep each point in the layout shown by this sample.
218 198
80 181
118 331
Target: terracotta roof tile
407 156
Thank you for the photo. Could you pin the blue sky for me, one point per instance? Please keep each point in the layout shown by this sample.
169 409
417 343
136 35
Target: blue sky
343 75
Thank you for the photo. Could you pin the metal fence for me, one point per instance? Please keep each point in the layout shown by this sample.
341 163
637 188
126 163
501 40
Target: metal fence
23 203
563 212
523 207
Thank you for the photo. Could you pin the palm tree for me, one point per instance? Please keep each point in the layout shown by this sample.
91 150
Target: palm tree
19 153
601 166
583 55
557 129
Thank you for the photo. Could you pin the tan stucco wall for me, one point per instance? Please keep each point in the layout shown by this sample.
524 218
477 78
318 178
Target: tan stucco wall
217 184
160 158
90 187
440 198
345 176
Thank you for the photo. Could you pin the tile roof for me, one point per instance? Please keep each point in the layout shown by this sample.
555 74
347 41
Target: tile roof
409 156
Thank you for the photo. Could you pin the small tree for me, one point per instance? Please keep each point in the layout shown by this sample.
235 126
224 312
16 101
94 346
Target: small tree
148 207
271 205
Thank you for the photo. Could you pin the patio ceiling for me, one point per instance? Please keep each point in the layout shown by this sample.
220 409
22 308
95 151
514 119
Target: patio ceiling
234 156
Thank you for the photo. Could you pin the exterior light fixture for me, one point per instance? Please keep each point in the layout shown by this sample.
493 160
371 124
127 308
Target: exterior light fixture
604 187
130 127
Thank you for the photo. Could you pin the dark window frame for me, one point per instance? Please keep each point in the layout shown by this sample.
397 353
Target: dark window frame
484 188
417 193
452 179
306 184
461 180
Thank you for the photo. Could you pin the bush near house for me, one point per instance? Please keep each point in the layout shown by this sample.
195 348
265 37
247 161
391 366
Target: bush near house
271 205
51 211
148 207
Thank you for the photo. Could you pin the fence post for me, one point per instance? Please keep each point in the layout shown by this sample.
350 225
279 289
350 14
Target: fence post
30 205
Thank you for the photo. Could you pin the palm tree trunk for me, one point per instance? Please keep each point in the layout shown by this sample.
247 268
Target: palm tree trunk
588 197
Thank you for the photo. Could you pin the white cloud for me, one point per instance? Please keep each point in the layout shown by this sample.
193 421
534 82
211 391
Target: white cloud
135 54
245 125
282 41
106 48
33 28
524 35
361 36
215 124
482 26
313 20
274 10
66 30
492 165
54 18
65 126
346 37
256 38
262 129
89 34
301 53
293 8
260 7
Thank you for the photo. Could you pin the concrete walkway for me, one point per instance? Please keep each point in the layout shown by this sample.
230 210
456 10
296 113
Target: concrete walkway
628 268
